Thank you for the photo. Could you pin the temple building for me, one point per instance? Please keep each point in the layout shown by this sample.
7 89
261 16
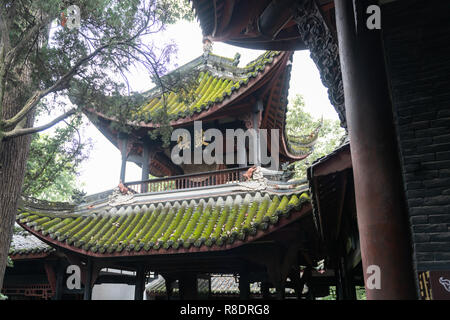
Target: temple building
385 64
374 212
194 222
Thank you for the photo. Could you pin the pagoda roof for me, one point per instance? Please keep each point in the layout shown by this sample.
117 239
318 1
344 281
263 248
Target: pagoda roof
279 25
183 221
218 78
214 82
218 88
24 245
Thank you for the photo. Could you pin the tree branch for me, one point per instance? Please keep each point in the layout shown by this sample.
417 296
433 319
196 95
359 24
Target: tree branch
58 85
32 33
62 82
18 131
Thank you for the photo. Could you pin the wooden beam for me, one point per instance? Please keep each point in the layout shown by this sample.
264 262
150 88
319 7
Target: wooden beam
341 198
139 286
51 276
88 283
226 17
339 161
59 282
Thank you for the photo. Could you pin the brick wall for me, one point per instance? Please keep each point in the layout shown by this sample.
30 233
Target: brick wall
417 42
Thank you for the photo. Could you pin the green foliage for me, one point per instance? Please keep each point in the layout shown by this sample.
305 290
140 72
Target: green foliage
88 64
9 262
178 10
53 164
299 121
360 293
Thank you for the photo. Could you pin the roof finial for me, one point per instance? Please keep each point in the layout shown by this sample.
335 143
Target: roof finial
236 59
207 47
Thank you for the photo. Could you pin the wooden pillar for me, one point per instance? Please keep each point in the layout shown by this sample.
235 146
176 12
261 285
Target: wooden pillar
281 290
244 286
145 166
381 210
88 282
257 110
123 142
139 286
340 291
348 285
187 285
59 282
169 287
265 290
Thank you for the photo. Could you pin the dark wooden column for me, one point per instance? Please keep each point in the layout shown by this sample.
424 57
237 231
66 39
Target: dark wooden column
382 217
265 290
244 285
123 142
257 115
139 286
88 283
60 272
340 285
169 286
145 162
187 284
145 166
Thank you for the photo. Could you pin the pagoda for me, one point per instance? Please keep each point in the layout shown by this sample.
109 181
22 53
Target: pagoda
222 96
195 219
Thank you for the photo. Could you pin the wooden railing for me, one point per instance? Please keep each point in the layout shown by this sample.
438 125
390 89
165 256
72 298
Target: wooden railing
203 179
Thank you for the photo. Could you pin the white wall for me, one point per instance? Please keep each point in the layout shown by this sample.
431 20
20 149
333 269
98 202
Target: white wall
113 291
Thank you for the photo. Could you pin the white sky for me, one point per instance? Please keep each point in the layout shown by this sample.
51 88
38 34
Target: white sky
101 171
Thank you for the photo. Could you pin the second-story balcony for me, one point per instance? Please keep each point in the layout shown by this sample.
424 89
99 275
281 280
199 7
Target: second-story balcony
187 181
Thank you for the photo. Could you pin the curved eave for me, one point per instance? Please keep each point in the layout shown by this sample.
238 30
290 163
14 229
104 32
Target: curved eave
30 256
287 153
263 44
282 222
253 83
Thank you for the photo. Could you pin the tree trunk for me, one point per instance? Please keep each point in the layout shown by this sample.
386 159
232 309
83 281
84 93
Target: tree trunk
13 159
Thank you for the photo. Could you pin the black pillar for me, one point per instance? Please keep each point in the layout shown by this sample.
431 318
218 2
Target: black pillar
244 286
187 285
265 290
340 290
59 282
381 210
88 283
169 287
139 286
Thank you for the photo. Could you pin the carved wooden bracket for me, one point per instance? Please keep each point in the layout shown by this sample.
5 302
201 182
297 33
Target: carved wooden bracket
324 52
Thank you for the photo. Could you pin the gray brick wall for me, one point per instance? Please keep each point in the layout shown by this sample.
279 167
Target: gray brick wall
417 41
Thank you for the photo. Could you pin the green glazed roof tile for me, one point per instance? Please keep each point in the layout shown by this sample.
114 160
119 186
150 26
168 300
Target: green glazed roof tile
217 79
200 222
24 243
